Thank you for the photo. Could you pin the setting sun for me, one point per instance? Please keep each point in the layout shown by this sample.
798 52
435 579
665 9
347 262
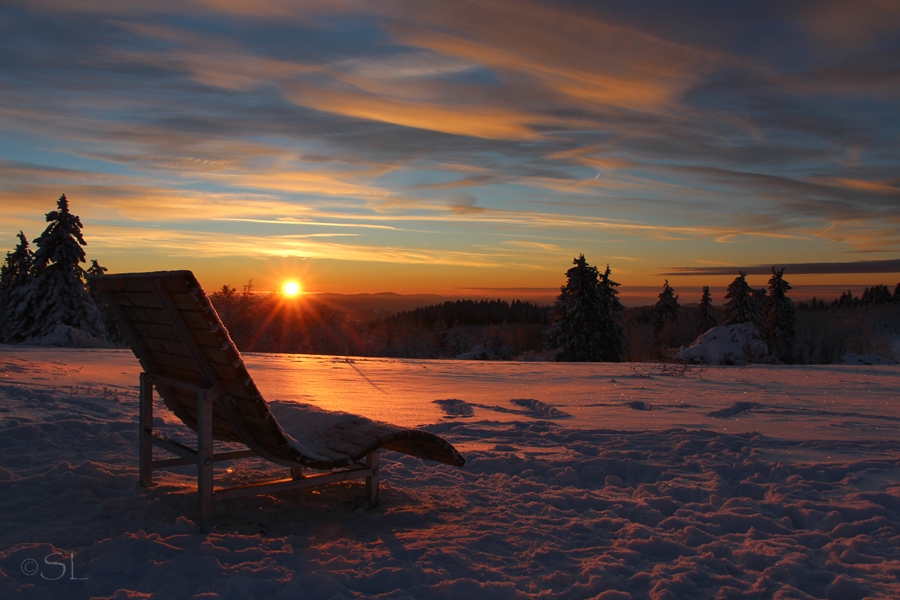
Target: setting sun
291 288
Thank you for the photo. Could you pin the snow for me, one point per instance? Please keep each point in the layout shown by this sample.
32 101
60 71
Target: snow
865 359
69 337
726 345
582 481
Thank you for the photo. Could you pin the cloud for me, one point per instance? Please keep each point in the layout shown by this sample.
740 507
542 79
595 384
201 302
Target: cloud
565 121
841 24
819 268
538 246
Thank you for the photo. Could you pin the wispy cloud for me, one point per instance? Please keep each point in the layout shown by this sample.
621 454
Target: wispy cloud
820 268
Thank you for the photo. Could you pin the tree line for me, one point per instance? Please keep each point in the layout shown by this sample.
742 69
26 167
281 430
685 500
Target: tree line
44 296
589 323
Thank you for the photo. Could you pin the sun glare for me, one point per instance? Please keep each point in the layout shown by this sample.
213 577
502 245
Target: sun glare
291 288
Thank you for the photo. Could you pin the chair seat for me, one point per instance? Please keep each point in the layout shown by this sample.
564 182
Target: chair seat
320 436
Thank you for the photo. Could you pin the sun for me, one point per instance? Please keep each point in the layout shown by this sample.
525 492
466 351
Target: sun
291 288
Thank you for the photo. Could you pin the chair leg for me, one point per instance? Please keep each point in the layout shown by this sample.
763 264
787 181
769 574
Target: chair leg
145 428
372 480
205 457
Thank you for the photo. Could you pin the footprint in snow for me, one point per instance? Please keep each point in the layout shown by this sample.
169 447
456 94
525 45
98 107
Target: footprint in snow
456 408
639 405
735 409
539 410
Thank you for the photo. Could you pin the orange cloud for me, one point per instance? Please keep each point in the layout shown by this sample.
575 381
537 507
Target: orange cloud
476 121
587 60
889 188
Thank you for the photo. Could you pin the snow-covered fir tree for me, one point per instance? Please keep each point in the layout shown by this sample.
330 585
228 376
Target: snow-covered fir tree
17 270
740 306
577 314
612 333
15 275
57 295
704 319
665 315
781 316
760 301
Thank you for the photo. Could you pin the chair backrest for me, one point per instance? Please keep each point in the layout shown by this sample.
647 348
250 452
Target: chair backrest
176 335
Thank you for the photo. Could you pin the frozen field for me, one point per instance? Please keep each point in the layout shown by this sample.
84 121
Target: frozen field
582 481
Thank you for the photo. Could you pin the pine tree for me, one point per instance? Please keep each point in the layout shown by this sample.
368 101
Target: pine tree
18 269
704 320
847 300
611 334
760 302
15 275
57 295
665 314
781 317
877 294
740 306
897 293
577 314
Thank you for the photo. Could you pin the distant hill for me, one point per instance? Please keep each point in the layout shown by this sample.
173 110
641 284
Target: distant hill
369 307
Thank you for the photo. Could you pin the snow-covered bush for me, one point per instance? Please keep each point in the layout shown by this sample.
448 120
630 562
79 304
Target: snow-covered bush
726 345
479 353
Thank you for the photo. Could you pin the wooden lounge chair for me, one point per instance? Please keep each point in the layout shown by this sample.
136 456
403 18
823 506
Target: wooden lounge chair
187 354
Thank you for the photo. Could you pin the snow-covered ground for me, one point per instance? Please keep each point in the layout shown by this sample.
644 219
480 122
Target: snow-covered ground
583 481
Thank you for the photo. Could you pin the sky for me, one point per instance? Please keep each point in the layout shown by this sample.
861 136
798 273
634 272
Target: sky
464 148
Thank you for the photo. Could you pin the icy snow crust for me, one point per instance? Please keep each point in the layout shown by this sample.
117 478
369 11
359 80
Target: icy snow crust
582 481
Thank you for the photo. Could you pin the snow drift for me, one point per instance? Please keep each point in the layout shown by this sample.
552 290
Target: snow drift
726 345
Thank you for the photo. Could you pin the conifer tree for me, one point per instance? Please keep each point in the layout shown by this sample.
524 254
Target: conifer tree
15 275
18 269
760 302
612 333
897 293
846 300
705 319
780 318
877 294
577 314
665 314
57 295
740 306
